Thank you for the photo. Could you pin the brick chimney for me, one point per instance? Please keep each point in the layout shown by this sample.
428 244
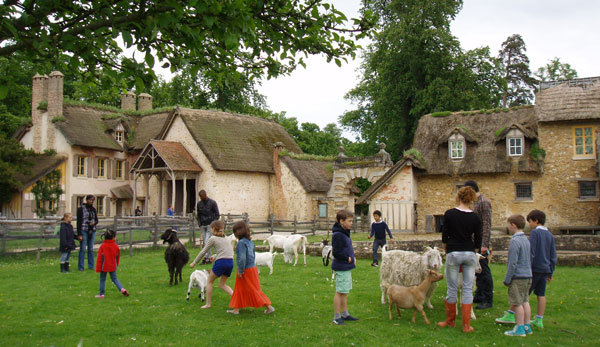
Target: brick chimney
55 106
39 93
144 102
278 201
128 101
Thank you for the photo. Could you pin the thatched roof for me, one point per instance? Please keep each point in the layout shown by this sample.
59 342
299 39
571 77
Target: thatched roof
234 142
84 126
314 175
175 156
486 155
377 185
43 164
568 101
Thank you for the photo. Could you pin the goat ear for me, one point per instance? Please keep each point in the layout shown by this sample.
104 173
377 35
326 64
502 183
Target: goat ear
425 260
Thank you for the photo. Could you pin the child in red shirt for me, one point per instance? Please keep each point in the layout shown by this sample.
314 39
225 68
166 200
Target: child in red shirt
108 261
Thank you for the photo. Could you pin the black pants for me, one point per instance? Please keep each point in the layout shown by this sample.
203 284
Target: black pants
485 283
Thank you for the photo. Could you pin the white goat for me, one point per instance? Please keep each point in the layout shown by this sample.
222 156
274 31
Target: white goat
292 245
198 279
264 259
460 283
275 241
407 269
325 252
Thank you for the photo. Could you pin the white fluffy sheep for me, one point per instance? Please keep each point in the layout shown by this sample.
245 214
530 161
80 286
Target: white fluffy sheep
264 259
407 269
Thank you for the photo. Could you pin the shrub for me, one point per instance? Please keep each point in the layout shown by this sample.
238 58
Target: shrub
60 118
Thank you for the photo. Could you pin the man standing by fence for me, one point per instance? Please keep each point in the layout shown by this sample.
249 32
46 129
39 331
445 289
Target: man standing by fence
207 211
87 220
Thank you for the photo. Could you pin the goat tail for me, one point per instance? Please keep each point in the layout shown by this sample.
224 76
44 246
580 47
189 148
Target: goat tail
383 251
274 254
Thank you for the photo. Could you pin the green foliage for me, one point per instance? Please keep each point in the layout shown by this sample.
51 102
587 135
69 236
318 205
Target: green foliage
109 116
258 37
49 151
60 118
499 131
414 67
536 152
441 114
556 71
43 105
47 191
413 152
13 161
520 84
305 156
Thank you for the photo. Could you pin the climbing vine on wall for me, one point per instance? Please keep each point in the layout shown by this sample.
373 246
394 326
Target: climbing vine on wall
47 191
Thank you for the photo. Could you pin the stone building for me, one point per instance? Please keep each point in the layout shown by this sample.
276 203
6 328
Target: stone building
532 157
140 156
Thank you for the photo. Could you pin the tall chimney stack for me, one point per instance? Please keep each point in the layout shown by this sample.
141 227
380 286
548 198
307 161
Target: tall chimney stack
55 105
144 102
39 93
128 101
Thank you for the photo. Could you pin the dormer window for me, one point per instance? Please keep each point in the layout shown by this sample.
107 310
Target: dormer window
514 143
456 146
119 133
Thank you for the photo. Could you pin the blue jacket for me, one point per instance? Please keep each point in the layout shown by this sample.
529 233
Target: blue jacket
244 254
379 229
519 260
341 248
543 252
67 237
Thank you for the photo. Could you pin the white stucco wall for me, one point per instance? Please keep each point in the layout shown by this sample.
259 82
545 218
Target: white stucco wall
299 202
395 200
27 139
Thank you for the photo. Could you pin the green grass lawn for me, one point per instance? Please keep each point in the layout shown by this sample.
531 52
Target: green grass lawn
40 306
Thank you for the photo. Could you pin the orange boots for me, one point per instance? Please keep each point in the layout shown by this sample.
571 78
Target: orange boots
450 315
466 318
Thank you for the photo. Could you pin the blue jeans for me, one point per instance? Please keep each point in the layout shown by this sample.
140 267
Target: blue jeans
87 242
205 229
376 244
64 257
453 262
113 278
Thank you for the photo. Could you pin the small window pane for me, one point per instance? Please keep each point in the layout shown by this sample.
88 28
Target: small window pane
322 210
588 132
588 189
523 191
579 150
578 131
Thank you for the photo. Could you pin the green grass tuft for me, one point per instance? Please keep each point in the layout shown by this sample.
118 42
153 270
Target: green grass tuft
441 114
60 118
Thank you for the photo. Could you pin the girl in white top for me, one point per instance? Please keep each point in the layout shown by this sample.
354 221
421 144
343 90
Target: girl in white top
223 264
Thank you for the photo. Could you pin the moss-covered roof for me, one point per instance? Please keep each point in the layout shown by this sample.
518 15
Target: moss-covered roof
234 142
314 175
43 164
568 101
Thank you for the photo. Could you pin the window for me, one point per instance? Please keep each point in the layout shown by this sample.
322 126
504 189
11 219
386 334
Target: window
119 169
322 210
81 166
588 189
515 146
100 205
79 201
119 136
51 205
457 149
523 191
101 167
584 141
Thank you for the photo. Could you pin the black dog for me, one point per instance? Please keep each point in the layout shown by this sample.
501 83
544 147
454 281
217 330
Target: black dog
176 255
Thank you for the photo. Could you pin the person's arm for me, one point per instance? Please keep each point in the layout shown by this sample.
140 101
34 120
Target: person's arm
486 221
79 220
240 255
216 214
388 230
372 230
63 236
445 230
533 242
553 259
118 255
208 245
511 266
478 237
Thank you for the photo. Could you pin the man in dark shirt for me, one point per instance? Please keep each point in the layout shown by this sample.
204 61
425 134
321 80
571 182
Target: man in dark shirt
484 295
207 211
87 221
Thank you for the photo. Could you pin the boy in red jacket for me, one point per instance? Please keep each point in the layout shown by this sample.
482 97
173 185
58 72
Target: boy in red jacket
108 261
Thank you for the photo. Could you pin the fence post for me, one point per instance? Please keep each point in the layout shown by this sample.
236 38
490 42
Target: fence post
246 218
327 225
295 225
193 230
3 234
271 223
314 230
39 250
130 240
155 236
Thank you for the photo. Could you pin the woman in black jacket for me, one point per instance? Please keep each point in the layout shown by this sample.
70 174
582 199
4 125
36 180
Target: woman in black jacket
67 241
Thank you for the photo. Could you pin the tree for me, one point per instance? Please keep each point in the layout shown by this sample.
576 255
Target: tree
261 38
47 191
520 85
12 161
556 71
414 67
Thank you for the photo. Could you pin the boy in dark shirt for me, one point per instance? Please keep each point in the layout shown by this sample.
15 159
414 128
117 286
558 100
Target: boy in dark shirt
378 228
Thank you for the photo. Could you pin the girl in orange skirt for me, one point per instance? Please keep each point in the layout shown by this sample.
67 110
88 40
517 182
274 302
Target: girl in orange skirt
246 292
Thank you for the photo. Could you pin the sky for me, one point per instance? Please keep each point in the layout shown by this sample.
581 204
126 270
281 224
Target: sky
566 29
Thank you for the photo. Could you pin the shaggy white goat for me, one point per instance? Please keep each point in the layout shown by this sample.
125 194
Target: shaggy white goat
406 268
198 279
325 252
291 246
460 282
264 259
275 241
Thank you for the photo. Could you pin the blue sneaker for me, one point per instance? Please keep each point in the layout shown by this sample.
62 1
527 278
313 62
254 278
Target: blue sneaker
350 318
528 329
339 321
518 330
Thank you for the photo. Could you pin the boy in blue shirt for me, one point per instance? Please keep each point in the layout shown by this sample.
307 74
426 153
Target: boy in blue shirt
343 263
378 228
518 276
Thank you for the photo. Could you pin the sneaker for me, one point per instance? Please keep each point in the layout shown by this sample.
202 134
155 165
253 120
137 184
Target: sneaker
339 321
518 330
508 318
99 296
124 292
374 264
528 329
537 322
350 318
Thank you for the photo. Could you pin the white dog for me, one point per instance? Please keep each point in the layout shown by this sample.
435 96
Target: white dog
198 279
264 259
292 245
